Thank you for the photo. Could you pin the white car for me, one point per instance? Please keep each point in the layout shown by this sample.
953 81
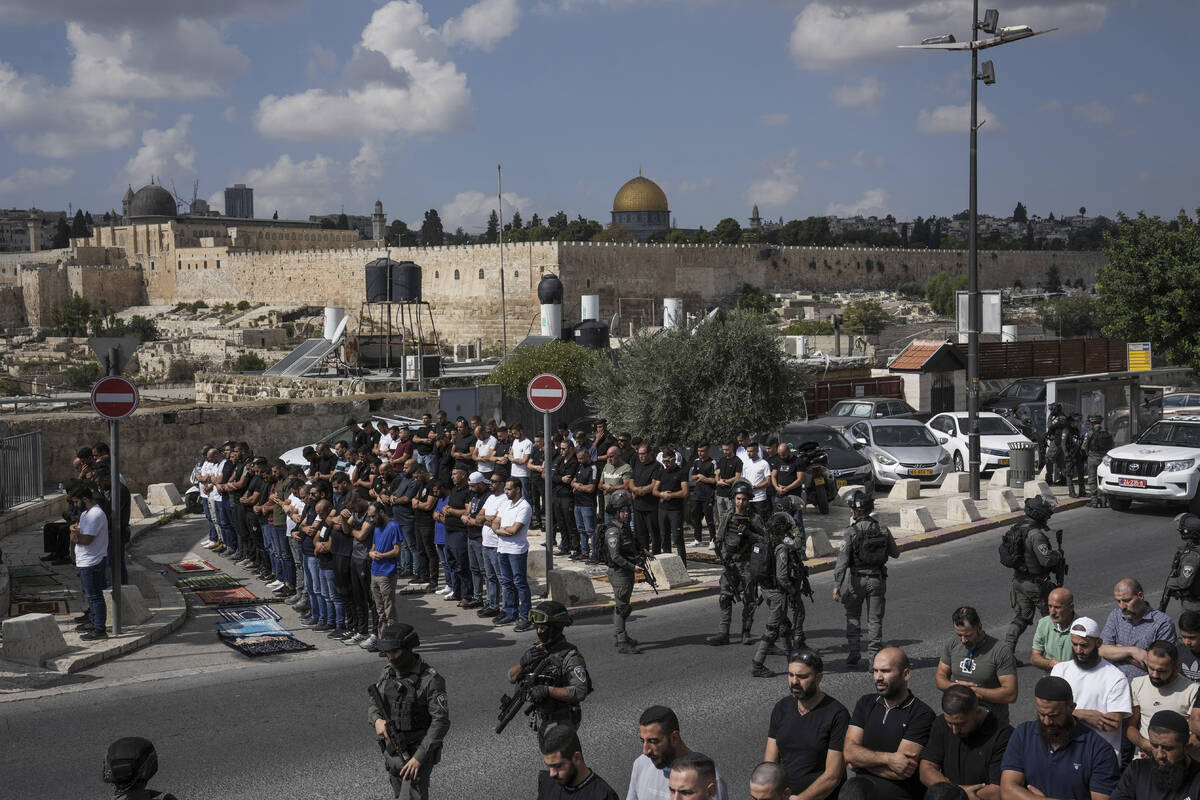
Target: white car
995 435
343 434
1159 466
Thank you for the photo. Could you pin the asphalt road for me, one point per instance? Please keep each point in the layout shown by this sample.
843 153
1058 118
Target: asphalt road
228 727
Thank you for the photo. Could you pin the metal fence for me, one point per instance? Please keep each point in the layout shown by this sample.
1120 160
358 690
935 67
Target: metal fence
20 469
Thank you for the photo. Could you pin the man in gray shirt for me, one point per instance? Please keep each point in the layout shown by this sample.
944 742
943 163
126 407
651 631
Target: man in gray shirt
658 728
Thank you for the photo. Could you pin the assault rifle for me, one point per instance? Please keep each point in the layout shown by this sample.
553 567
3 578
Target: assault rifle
1165 598
643 563
527 678
1061 569
392 743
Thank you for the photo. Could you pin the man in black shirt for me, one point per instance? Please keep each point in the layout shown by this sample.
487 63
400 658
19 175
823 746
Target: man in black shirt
537 479
645 503
729 469
671 489
583 498
423 441
567 775
325 464
888 730
808 731
966 746
628 451
500 465
460 448
562 474
456 536
702 476
358 437
401 490
1171 774
787 479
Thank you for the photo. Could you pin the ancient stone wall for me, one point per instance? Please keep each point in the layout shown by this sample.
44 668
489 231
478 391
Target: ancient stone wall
10 263
12 307
118 285
43 287
220 388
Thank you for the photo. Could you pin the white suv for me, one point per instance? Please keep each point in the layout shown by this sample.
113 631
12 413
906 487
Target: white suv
1160 466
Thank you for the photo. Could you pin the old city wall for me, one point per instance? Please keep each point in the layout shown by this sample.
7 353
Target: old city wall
118 285
10 263
219 388
12 307
43 286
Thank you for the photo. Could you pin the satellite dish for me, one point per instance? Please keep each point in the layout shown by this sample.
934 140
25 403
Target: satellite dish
614 324
339 332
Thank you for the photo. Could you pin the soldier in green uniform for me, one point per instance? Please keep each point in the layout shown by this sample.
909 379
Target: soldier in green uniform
860 576
1183 582
564 682
621 552
1033 560
415 716
737 532
1096 442
774 566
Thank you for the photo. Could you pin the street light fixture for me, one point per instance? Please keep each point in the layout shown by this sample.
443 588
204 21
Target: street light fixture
991 25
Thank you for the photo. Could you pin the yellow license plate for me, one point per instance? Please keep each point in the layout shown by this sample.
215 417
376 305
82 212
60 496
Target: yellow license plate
841 482
1004 462
818 481
921 472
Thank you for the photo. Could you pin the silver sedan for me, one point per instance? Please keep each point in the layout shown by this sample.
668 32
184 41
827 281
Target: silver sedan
901 448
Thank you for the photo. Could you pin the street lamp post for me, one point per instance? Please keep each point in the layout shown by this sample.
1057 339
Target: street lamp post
989 24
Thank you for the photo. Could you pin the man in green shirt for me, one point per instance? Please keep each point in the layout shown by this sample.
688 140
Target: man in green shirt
1052 638
979 662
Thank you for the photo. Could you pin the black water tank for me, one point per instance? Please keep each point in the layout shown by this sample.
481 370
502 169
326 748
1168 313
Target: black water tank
378 280
550 290
591 333
406 282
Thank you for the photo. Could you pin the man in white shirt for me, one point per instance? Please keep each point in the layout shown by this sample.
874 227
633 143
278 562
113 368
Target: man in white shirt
491 549
512 528
1162 688
1101 691
90 537
518 457
757 472
207 477
658 729
485 445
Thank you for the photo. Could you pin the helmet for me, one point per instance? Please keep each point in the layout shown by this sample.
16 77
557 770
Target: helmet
550 612
620 499
1056 408
780 523
861 501
1095 419
743 487
791 504
1037 509
1189 525
131 761
398 636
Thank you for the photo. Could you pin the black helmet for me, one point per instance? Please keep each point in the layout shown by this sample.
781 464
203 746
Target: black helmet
550 612
1189 525
792 504
620 499
131 761
861 501
1037 509
743 487
398 636
1056 408
780 523
1095 419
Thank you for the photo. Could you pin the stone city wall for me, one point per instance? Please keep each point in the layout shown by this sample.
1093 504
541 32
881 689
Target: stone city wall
220 388
119 285
12 307
11 263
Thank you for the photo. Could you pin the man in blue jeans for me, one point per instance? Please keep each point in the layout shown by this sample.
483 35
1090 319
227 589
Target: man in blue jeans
512 526
401 493
583 496
90 537
491 543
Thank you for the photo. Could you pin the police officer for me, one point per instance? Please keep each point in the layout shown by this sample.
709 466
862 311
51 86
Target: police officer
1182 582
129 765
622 552
860 575
771 565
414 699
1096 443
1033 577
1056 428
737 533
1075 458
556 701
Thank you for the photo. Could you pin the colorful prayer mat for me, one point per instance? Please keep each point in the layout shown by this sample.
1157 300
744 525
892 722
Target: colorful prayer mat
248 613
191 566
56 607
211 597
255 646
250 628
215 580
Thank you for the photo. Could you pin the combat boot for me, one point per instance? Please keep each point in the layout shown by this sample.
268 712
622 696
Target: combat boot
761 671
748 638
628 648
718 639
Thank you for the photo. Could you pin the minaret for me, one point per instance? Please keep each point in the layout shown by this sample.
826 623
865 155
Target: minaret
755 220
378 223
126 202
35 230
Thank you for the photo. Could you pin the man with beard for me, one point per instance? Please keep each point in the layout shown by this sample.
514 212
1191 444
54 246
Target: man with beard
888 730
979 662
567 775
808 731
1099 691
568 684
1162 688
1131 627
658 729
1169 773
966 746
414 699
1055 756
1052 637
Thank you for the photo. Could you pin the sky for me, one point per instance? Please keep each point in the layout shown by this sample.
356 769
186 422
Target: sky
805 107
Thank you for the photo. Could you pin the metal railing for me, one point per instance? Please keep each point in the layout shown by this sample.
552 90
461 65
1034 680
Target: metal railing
20 469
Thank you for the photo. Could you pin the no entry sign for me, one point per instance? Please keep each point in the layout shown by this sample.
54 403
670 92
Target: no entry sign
547 393
114 397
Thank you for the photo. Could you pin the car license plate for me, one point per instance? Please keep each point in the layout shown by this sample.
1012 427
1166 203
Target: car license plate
1134 482
920 472
818 481
1004 462
841 482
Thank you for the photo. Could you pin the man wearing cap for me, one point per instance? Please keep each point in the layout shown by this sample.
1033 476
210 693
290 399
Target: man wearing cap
1168 773
1131 627
1052 637
1055 756
1100 692
1162 688
417 713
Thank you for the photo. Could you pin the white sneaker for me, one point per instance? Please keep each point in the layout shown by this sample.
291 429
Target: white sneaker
368 642
205 543
445 590
274 585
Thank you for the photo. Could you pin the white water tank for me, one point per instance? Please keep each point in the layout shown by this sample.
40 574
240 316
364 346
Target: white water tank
672 312
333 318
1008 333
590 307
550 296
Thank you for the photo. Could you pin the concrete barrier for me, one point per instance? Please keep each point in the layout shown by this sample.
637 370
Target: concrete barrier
535 563
955 483
1002 501
917 518
1000 478
1036 488
962 509
669 571
5 589
571 588
134 610
138 508
163 494
32 638
818 544
905 489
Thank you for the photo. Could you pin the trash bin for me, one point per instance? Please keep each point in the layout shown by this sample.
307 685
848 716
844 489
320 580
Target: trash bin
1020 464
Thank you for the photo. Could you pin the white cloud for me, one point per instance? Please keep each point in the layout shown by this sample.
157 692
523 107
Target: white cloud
955 119
164 154
45 120
828 34
1142 99
864 94
29 180
873 202
1094 113
147 13
470 210
864 160
780 186
1050 105
772 120
230 114
483 24
297 188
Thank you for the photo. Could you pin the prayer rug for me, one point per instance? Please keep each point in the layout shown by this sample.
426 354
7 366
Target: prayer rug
212 597
250 628
215 580
248 613
29 581
56 607
255 646
28 570
191 566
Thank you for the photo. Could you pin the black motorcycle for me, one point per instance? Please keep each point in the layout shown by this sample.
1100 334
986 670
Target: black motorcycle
819 485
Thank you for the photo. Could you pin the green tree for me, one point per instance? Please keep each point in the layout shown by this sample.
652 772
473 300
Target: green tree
1020 214
701 381
432 234
535 221
1082 211
74 317
558 221
517 223
79 226
580 230
62 234
400 235
751 298
181 371
1069 317
1150 286
866 317
941 291
343 222
809 327
1053 282
249 362
491 235
728 231
82 376
676 236
567 360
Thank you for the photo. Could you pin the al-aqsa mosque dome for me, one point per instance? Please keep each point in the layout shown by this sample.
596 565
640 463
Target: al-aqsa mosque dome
641 207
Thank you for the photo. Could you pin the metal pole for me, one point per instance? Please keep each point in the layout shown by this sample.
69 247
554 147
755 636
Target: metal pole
547 497
973 296
503 314
115 490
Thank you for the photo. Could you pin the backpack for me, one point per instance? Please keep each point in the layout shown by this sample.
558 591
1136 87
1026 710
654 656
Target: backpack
1012 547
762 560
1183 578
600 545
870 545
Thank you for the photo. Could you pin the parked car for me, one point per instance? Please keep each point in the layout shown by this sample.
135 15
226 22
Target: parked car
1017 393
342 434
845 413
1172 405
1161 465
846 464
995 435
901 448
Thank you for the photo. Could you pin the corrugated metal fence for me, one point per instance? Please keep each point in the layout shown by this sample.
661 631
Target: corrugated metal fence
20 469
1049 357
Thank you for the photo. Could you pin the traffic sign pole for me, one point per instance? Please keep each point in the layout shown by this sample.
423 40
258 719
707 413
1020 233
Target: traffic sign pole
114 443
547 497
547 393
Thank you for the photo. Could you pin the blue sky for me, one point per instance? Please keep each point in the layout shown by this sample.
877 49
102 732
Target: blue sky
803 107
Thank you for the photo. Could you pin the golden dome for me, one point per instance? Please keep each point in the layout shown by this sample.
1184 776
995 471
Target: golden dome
640 194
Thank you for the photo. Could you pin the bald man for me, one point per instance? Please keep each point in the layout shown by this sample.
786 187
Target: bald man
769 782
1131 628
1052 637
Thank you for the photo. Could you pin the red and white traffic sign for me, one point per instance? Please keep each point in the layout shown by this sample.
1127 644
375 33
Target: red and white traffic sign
114 397
547 393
